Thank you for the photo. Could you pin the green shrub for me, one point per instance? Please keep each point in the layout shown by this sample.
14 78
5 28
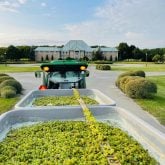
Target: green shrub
3 78
13 83
8 88
8 93
103 62
125 80
140 88
103 67
133 73
3 74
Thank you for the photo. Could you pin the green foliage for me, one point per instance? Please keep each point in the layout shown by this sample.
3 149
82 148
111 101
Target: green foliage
13 83
3 78
97 55
124 80
156 105
156 58
12 53
68 142
8 93
135 85
103 67
61 100
121 81
133 73
140 88
103 62
3 74
8 88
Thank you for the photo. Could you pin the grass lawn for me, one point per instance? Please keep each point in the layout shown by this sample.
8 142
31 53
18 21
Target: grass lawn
150 67
9 69
7 104
156 106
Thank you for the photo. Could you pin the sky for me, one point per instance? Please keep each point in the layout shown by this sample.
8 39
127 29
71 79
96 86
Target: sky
97 22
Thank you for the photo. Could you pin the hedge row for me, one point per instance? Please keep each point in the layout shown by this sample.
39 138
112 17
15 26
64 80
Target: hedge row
103 62
103 67
9 87
136 86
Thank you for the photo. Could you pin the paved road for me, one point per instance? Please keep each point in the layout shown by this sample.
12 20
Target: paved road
103 81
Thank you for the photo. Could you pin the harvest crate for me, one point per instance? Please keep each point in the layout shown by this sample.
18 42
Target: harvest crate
27 101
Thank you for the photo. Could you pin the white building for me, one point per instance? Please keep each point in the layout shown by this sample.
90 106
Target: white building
74 49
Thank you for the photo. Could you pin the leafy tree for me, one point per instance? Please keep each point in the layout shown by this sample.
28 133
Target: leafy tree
3 53
12 53
156 58
163 58
131 52
47 58
123 51
97 55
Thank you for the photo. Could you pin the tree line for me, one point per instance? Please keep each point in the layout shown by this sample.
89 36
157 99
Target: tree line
125 52
16 53
132 52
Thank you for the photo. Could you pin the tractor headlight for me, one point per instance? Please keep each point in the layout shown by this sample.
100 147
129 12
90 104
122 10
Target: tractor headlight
46 68
82 68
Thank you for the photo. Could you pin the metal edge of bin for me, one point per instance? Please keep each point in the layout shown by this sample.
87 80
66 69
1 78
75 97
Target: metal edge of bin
154 138
32 94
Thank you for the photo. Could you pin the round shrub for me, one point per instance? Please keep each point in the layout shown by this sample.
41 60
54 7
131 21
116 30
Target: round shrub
3 78
133 73
103 62
125 80
103 67
13 83
8 88
8 93
140 73
3 74
140 88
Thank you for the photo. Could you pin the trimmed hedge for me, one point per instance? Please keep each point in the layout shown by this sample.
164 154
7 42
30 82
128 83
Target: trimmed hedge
103 67
133 73
13 83
103 62
3 74
8 88
8 93
140 88
135 85
3 78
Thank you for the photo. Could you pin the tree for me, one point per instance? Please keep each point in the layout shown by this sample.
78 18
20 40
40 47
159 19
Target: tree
47 58
123 51
131 52
12 53
3 53
97 55
156 58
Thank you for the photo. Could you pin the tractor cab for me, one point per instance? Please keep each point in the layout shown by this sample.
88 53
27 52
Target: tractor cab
63 74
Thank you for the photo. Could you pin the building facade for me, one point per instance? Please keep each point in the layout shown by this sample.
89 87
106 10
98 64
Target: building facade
76 49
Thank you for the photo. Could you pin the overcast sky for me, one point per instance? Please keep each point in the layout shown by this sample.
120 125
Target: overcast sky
97 22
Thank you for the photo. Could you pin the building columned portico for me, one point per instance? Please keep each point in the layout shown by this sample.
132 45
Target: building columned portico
74 49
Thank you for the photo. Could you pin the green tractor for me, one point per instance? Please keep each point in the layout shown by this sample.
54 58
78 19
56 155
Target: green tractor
63 74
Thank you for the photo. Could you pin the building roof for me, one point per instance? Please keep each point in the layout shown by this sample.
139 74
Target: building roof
47 49
109 49
77 45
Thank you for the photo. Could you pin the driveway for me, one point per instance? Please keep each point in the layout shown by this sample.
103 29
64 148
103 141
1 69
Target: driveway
103 81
